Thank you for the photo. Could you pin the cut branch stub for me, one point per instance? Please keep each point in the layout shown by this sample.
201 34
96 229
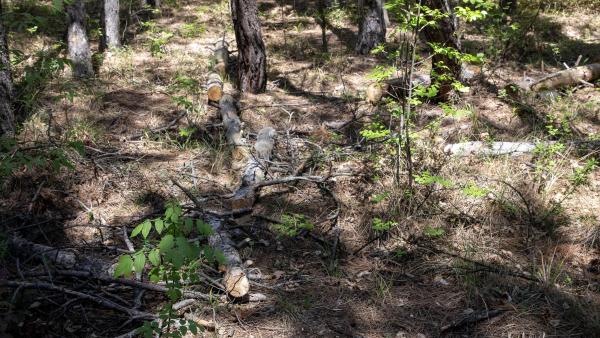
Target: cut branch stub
214 87
221 57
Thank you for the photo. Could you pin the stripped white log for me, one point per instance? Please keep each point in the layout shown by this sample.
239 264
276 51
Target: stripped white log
489 149
214 87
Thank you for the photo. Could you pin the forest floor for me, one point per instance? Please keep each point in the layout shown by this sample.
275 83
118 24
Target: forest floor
519 259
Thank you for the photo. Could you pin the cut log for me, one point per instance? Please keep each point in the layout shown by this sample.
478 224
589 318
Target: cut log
568 77
59 257
512 148
489 149
235 280
214 87
221 57
393 87
231 121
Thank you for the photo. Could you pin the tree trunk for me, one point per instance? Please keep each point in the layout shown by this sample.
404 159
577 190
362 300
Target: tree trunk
111 24
7 117
252 58
445 69
372 27
77 40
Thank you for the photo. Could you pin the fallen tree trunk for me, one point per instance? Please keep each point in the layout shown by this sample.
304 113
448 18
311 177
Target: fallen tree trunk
567 77
61 258
235 279
511 148
214 87
221 57
489 149
233 126
393 87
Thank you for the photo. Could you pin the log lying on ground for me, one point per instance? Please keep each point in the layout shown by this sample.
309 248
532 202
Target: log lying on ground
214 87
489 149
393 87
233 126
61 258
235 279
511 148
567 77
221 57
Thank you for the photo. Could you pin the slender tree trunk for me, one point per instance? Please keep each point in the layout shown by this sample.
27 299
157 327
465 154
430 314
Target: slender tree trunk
77 40
7 117
111 24
445 69
252 58
372 28
321 13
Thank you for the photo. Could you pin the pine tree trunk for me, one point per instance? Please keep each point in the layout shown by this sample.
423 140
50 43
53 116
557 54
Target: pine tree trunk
252 58
77 40
372 27
111 24
7 117
445 70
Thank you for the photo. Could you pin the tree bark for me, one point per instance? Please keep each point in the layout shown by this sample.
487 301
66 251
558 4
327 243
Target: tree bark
372 28
77 41
7 117
445 69
111 24
252 58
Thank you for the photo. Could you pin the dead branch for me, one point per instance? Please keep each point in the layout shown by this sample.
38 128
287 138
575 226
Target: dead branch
23 247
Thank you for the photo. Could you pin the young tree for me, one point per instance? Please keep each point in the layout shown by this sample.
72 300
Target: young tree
7 118
372 28
252 58
111 24
446 67
77 41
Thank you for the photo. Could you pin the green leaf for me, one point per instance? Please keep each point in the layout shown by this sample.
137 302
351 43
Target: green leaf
146 227
124 266
139 261
188 225
166 243
154 257
137 230
159 225
203 228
